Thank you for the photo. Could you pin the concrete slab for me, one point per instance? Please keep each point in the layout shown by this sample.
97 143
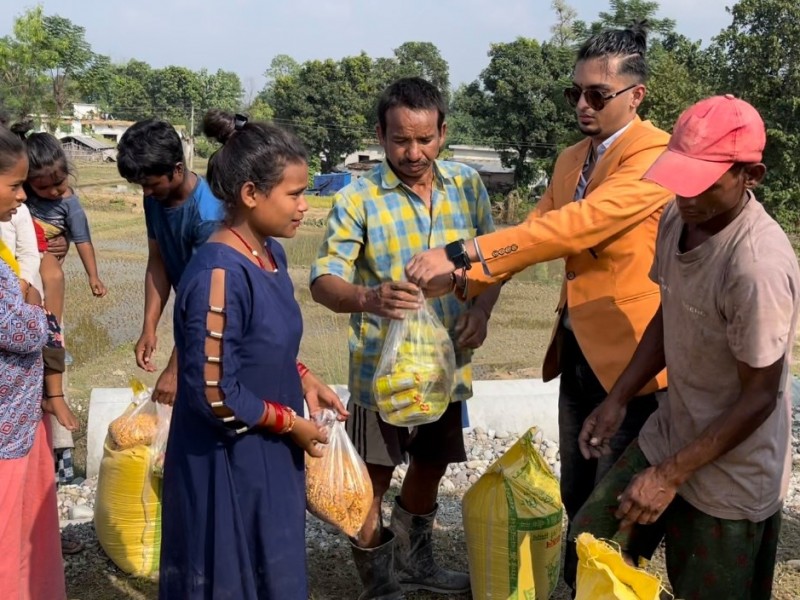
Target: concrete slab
105 405
512 406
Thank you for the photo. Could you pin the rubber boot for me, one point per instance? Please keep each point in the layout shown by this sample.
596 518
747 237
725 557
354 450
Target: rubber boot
376 569
413 555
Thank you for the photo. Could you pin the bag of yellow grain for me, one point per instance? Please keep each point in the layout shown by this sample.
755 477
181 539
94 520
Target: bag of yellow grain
127 514
338 488
513 526
414 377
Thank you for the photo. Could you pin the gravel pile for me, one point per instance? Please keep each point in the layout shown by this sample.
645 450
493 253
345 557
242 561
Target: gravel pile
332 575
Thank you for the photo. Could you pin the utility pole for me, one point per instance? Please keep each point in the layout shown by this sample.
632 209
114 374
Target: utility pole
191 140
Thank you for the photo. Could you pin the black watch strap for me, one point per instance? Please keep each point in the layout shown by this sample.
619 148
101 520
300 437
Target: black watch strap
457 254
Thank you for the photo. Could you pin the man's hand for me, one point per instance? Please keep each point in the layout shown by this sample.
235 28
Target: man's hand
58 246
99 289
319 396
166 387
144 350
599 427
392 299
471 328
646 498
429 269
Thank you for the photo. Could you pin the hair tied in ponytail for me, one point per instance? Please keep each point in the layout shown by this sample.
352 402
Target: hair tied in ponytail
239 121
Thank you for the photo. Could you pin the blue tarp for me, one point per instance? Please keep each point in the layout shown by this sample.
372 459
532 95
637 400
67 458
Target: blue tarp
330 183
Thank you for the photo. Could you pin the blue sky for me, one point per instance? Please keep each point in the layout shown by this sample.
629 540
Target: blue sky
246 34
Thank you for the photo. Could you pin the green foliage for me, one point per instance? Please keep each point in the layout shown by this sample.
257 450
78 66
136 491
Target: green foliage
674 85
762 46
524 112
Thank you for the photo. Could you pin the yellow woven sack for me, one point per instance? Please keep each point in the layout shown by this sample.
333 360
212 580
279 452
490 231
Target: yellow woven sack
127 513
513 525
603 574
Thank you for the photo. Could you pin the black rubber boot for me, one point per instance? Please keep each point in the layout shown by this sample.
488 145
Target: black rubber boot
413 555
376 569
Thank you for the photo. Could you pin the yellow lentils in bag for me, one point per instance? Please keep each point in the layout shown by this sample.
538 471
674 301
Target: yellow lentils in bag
513 526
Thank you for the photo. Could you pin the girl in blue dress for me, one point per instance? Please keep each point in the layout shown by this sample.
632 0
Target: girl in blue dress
233 506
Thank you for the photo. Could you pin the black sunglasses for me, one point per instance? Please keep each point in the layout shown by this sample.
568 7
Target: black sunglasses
594 98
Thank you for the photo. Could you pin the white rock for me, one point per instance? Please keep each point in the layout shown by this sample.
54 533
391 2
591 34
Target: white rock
793 564
448 485
474 464
81 512
551 453
491 434
479 431
80 502
539 437
501 435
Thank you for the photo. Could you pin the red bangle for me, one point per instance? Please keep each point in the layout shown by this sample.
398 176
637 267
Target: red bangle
284 418
302 370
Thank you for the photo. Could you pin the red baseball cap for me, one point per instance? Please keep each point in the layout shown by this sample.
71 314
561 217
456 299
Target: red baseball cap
708 139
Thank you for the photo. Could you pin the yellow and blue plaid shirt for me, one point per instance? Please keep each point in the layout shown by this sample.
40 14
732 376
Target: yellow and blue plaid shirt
377 224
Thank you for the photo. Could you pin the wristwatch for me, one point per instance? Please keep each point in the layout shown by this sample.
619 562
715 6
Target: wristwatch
457 254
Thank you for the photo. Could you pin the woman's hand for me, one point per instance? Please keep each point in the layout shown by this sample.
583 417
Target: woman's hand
308 435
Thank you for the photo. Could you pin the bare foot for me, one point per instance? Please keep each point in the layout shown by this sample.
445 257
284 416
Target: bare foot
56 405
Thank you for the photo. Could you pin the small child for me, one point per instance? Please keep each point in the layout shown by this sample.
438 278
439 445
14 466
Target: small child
56 208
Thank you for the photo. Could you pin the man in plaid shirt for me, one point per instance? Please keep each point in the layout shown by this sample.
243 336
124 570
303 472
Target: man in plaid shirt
407 204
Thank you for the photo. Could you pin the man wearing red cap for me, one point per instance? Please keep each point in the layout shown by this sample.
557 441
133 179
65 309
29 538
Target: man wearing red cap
710 468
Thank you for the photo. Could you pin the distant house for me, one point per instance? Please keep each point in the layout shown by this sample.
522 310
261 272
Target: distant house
107 129
486 161
87 148
497 178
357 169
85 111
371 152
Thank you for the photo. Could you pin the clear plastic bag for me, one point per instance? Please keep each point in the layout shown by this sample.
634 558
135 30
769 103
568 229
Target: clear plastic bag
414 378
138 425
338 487
158 449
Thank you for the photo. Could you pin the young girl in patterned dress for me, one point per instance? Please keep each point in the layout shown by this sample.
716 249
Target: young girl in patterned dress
30 548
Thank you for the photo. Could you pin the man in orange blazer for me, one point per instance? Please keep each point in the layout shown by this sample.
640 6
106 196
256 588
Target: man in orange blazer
600 217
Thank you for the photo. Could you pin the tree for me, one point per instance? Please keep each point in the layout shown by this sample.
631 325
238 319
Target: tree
282 65
422 59
675 84
21 70
325 103
564 32
469 108
129 95
623 13
66 54
763 67
173 91
222 89
529 118
95 82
